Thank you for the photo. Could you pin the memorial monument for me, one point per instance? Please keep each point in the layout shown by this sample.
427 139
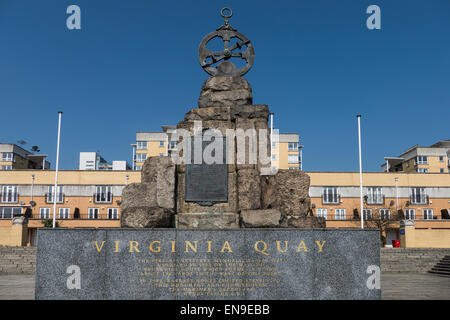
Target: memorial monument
242 190
215 220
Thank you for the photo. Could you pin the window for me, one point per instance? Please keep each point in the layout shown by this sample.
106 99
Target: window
385 214
441 158
274 157
63 213
103 194
374 195
339 214
93 213
59 194
330 195
410 214
9 212
322 212
422 170
142 145
367 214
428 214
113 213
173 145
138 168
161 143
141 157
292 146
44 213
9 194
7 156
422 160
441 170
292 158
8 167
161 154
418 195
274 144
293 168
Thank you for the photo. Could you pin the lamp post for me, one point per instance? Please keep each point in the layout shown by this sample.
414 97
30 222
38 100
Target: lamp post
360 171
56 170
32 185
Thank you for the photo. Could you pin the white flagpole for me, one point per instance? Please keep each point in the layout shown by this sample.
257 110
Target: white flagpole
360 171
56 171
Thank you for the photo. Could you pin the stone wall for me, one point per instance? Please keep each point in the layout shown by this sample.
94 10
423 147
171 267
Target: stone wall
17 260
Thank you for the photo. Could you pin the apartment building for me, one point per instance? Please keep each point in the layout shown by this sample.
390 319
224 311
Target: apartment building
14 157
92 198
432 159
94 161
286 152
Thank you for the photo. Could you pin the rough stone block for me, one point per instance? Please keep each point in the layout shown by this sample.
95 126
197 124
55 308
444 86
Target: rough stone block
208 220
224 92
303 222
249 190
269 193
293 192
269 218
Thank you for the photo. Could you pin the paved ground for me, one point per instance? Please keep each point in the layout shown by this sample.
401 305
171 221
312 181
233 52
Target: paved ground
394 287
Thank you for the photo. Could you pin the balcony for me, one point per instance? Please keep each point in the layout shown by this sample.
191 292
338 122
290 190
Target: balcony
419 199
59 198
374 198
331 198
105 197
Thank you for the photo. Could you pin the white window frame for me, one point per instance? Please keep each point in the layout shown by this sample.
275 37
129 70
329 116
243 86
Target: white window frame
173 145
59 194
383 213
339 214
322 212
8 156
138 168
426 214
374 195
161 144
409 213
291 156
141 145
103 194
113 213
10 194
64 213
418 193
292 146
12 209
93 213
422 160
141 157
44 213
422 170
368 214
6 167
330 195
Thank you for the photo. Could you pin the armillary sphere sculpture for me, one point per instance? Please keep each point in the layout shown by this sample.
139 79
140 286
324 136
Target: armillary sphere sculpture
218 63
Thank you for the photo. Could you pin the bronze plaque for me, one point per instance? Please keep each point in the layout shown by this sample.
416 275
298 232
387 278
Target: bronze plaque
206 184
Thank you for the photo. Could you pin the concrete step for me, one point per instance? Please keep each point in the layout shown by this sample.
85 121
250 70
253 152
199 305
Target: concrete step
442 273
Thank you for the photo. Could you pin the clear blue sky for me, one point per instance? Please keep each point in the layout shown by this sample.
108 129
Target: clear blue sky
133 67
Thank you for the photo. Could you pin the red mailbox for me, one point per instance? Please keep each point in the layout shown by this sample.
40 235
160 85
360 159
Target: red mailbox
396 243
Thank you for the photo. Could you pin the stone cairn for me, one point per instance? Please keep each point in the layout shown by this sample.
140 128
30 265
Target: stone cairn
256 198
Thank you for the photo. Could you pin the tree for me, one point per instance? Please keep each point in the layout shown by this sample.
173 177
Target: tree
35 149
383 220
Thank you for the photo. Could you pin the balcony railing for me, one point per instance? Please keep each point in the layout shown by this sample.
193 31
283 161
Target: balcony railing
10 197
104 197
59 198
331 198
375 199
103 216
419 199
